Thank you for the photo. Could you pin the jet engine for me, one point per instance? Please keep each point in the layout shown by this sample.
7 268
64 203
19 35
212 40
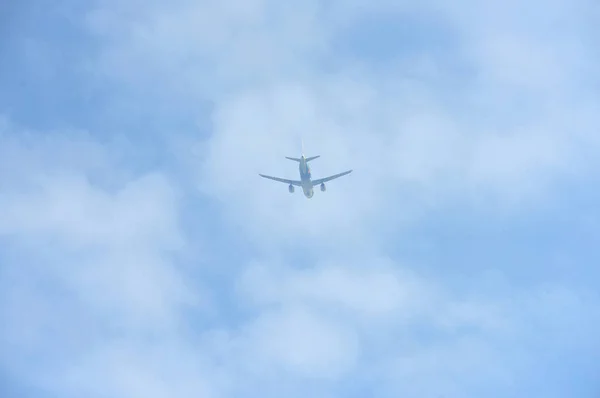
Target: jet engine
323 187
291 188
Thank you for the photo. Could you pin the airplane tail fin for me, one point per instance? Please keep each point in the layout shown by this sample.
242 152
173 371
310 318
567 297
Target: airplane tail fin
307 159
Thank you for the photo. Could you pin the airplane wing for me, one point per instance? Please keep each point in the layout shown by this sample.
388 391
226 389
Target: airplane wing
322 180
293 182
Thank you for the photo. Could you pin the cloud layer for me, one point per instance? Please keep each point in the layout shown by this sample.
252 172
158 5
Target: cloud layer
142 256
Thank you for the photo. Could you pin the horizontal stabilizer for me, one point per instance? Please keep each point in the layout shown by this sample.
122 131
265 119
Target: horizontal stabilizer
307 159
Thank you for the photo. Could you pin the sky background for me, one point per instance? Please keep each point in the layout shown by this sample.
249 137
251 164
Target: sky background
142 256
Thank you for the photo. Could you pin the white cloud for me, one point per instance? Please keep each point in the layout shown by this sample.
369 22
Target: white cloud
374 292
411 329
130 369
463 144
374 289
303 343
101 239
106 300
459 367
73 210
211 45
85 267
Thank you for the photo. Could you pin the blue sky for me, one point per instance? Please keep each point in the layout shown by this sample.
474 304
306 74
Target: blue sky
142 256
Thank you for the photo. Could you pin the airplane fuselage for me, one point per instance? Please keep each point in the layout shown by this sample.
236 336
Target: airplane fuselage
306 178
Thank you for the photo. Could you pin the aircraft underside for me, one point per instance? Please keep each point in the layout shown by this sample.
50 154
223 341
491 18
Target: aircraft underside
306 182
308 190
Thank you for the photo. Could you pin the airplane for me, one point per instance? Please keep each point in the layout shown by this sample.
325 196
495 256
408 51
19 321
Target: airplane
306 181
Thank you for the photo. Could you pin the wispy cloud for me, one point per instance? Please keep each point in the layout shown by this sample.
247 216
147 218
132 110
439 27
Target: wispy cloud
143 256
